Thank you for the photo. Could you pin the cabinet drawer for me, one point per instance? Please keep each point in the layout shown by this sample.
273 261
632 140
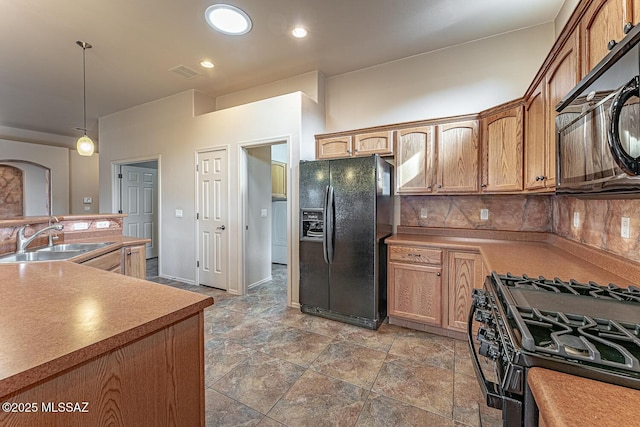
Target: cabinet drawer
415 254
110 261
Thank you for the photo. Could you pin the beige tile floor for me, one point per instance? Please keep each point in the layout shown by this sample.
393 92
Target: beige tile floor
270 365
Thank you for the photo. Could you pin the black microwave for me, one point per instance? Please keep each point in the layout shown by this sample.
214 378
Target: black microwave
598 126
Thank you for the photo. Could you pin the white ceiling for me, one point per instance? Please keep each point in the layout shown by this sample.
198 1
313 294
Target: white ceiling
136 43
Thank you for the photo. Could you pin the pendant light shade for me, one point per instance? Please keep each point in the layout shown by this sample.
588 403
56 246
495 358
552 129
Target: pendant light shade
85 145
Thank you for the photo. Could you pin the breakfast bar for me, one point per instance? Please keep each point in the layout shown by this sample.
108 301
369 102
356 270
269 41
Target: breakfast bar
81 346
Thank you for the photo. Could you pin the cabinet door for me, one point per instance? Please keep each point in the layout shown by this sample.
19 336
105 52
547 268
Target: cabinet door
534 139
603 21
561 77
373 143
414 160
457 147
465 274
415 293
278 180
502 151
134 261
333 148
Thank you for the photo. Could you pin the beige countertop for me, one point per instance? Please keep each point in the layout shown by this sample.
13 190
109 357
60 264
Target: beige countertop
56 315
540 256
566 400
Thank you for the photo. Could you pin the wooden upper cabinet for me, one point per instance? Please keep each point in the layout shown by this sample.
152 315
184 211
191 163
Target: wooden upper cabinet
373 143
534 139
562 76
333 148
502 151
457 154
414 160
278 180
603 21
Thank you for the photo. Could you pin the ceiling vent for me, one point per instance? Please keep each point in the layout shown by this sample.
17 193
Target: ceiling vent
185 72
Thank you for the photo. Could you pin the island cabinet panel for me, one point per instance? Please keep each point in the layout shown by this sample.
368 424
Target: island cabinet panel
373 143
414 157
333 148
465 273
502 151
535 139
111 261
562 76
457 170
134 261
604 21
155 381
415 293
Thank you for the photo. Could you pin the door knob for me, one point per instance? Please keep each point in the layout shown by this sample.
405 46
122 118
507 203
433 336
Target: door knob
222 227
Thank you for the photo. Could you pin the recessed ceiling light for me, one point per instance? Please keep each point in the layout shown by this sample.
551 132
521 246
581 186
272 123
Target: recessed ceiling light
299 32
207 64
228 19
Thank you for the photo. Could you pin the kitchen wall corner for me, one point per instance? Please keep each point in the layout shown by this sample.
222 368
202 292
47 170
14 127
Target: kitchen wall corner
599 223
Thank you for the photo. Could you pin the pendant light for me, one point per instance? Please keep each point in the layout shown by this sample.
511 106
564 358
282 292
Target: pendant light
85 145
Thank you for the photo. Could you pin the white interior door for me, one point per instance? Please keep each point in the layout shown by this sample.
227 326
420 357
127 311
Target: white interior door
139 194
213 240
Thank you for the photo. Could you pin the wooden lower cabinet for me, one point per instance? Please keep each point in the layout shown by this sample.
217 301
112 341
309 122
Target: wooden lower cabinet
134 261
129 260
430 288
111 261
464 274
157 380
415 292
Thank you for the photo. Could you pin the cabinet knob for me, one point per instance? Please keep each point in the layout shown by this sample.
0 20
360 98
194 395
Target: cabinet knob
438 274
484 186
439 185
611 44
627 27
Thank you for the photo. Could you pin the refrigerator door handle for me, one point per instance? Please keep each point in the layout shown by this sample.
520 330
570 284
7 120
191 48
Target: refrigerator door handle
330 232
325 209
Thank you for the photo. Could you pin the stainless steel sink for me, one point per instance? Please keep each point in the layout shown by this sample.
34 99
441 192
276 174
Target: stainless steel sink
54 253
39 256
66 247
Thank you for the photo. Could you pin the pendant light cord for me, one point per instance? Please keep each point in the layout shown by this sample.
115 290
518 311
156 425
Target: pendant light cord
84 87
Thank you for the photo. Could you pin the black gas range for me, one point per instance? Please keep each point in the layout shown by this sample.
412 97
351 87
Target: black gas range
520 322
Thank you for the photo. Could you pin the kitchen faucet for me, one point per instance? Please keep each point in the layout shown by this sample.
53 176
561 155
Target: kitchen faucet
51 237
22 242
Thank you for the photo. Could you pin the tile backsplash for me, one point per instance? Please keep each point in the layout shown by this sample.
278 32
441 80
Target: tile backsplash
598 221
505 212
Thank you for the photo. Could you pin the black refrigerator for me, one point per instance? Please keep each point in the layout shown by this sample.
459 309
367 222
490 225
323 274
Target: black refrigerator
345 215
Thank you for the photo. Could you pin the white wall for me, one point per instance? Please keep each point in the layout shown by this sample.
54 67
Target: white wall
258 236
311 84
84 182
167 127
564 14
460 80
54 158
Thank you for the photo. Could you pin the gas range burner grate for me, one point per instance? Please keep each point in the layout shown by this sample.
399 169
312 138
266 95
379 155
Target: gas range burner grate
587 339
591 289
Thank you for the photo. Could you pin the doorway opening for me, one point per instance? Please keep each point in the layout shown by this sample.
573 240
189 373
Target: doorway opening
137 194
265 184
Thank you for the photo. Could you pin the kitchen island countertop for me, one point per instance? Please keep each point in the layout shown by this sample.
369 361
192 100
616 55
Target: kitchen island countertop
57 315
